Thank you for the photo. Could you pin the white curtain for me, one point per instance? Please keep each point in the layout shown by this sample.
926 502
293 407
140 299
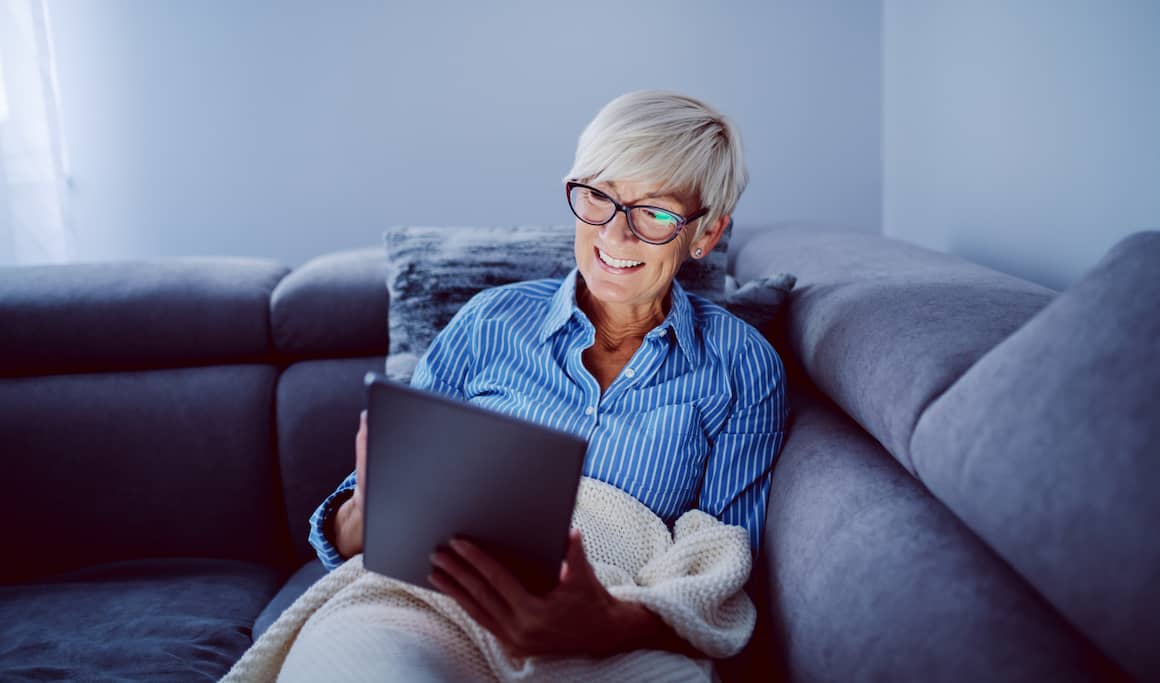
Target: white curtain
33 168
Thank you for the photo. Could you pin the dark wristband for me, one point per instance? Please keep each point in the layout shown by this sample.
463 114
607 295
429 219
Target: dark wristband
328 520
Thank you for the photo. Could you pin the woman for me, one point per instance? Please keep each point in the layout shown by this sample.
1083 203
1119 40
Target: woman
682 403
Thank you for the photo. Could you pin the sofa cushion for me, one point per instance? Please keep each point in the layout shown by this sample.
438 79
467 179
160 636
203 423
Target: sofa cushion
1048 448
433 271
881 326
113 466
318 404
298 583
872 579
151 620
334 305
121 316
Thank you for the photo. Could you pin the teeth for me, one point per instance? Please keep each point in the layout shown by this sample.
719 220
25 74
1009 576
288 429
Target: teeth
615 262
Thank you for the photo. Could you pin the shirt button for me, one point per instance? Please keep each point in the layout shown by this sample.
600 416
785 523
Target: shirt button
589 410
630 373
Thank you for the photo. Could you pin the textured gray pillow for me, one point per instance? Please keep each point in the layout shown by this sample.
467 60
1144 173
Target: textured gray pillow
759 301
433 271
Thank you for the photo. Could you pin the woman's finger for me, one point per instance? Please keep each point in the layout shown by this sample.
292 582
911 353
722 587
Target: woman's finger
360 458
482 593
576 562
496 575
449 587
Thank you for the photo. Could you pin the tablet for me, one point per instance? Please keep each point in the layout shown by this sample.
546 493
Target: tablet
438 468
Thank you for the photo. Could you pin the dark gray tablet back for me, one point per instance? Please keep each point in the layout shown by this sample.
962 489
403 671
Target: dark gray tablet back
438 468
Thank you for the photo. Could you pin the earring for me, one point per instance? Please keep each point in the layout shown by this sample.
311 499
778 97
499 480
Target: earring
697 252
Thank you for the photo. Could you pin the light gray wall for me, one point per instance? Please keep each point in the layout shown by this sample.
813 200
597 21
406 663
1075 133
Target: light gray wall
1022 135
290 129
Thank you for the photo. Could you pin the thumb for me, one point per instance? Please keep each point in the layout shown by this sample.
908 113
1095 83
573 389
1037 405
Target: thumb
575 563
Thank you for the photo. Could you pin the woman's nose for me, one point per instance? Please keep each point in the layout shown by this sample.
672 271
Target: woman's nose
617 229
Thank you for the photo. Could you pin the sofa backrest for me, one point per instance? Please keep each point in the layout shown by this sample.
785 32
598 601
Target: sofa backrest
1049 449
1031 416
329 322
196 407
871 578
136 413
881 326
101 317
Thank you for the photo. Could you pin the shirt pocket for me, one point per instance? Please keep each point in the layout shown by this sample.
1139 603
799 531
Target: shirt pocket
672 450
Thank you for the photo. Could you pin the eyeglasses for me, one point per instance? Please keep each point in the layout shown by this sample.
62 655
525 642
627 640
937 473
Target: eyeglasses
650 224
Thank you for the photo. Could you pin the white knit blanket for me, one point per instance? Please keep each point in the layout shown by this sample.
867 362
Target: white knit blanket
692 578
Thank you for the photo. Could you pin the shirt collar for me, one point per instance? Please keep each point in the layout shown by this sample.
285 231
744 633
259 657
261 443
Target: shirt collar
679 319
562 306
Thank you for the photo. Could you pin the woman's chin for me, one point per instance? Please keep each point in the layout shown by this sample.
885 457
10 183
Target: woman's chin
613 289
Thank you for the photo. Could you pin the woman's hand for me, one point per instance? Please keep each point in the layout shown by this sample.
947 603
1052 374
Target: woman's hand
578 617
348 521
360 460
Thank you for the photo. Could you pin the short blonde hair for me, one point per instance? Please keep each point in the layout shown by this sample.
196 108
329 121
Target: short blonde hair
660 136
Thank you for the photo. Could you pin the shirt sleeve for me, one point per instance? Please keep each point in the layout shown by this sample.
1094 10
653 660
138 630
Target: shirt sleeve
443 369
322 521
740 465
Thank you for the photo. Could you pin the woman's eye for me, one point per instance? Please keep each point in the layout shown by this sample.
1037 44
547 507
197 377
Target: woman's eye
596 197
662 216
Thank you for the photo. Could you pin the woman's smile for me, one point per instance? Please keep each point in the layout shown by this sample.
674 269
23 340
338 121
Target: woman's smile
615 265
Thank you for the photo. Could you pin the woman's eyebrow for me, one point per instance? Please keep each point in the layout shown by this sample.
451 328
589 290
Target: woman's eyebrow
650 195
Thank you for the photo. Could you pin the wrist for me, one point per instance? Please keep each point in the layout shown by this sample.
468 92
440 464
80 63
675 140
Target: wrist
348 522
635 627
642 629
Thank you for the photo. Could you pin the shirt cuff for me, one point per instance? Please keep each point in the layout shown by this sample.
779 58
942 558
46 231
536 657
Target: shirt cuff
322 521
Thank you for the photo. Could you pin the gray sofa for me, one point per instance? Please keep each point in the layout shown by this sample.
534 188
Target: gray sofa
968 490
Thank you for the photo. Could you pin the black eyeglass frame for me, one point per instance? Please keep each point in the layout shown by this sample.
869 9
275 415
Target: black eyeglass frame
681 220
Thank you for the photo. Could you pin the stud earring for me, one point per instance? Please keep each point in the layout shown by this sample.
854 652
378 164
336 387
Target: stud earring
697 252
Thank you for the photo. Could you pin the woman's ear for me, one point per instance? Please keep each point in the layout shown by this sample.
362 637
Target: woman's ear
710 237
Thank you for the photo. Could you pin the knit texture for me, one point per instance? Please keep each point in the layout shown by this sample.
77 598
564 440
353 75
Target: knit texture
692 578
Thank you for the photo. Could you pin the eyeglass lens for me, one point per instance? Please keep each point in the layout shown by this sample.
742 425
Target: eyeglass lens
650 223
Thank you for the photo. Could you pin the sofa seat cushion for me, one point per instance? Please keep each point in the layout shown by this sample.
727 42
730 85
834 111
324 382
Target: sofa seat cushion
142 620
298 583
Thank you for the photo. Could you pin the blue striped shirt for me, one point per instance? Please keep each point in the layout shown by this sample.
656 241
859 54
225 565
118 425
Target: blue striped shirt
695 419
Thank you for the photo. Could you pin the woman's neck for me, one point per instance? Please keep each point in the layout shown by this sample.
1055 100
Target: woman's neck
616 325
